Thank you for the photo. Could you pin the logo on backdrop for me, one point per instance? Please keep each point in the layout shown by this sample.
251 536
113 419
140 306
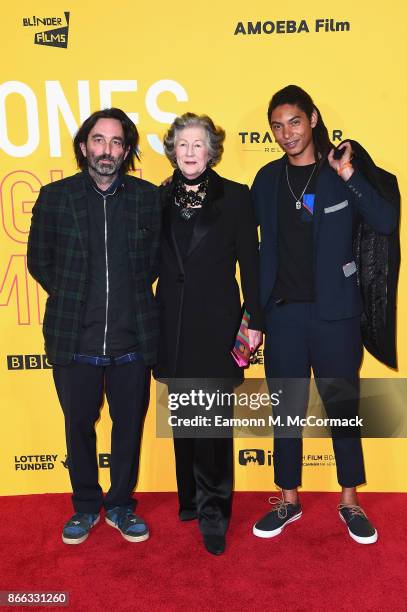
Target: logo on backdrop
28 362
251 456
35 463
103 460
263 457
55 37
291 26
263 142
318 460
257 358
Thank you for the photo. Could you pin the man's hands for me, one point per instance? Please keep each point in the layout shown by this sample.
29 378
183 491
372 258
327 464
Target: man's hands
343 165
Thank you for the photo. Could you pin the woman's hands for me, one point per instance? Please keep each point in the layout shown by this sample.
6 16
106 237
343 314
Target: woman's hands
255 339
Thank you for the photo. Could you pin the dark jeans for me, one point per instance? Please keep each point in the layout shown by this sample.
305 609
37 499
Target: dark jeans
80 389
296 341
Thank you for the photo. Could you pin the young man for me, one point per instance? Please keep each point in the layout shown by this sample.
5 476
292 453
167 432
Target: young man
308 204
93 247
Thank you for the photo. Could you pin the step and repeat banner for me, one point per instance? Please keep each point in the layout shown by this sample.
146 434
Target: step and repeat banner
63 60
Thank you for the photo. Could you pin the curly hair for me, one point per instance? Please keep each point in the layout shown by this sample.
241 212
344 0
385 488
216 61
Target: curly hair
215 136
131 136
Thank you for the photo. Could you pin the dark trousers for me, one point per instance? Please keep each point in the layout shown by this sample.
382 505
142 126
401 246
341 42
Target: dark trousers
80 389
204 469
296 341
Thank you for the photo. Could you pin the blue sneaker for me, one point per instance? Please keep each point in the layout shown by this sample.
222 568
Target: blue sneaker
77 529
131 526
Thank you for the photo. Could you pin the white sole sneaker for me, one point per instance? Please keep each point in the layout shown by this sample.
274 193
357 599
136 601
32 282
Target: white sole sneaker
367 540
275 532
83 538
140 538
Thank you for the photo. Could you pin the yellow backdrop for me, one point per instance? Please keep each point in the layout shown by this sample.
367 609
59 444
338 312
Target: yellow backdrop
157 60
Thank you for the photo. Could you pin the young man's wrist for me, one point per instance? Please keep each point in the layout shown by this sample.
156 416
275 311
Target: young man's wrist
345 171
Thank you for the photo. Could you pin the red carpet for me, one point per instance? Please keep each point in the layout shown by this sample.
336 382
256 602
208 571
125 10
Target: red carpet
313 565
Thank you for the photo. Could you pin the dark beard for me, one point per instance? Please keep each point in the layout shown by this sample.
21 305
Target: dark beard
105 169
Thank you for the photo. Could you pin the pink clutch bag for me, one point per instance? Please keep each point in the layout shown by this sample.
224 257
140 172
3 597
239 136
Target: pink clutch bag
241 349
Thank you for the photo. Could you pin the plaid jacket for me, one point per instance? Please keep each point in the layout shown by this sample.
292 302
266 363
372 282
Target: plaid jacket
58 259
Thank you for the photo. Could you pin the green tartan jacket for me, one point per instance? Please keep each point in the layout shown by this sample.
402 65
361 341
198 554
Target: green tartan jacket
57 258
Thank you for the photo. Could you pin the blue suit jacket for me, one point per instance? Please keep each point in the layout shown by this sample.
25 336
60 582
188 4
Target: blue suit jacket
337 208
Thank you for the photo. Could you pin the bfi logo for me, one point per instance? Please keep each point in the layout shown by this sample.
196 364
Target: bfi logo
255 456
28 362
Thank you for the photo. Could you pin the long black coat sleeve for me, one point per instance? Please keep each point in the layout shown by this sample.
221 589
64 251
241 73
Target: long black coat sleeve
247 246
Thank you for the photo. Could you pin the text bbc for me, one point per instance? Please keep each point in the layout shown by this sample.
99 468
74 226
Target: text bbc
28 362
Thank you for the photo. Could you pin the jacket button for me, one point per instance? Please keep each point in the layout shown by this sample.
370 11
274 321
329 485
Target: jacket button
181 278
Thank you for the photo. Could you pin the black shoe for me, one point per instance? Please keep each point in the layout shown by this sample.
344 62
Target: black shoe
214 544
274 522
360 528
187 515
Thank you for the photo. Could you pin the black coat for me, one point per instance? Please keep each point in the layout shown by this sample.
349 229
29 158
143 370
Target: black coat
378 262
198 297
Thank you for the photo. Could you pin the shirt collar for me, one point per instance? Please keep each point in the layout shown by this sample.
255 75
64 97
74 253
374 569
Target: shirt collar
119 181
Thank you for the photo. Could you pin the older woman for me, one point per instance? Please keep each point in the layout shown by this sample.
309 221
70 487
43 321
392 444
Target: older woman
208 226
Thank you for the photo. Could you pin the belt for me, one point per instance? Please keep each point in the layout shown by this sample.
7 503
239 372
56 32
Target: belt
106 361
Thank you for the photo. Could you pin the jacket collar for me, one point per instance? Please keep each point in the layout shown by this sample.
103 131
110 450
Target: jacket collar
119 181
206 219
78 200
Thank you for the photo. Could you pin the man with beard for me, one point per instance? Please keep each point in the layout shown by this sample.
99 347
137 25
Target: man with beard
93 246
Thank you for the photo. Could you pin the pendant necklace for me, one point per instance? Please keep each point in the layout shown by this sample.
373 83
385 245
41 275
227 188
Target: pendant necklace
298 200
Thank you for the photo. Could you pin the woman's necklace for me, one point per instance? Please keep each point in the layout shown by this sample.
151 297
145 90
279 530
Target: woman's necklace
189 201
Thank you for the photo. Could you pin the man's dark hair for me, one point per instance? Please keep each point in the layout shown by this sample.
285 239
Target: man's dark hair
131 136
292 94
